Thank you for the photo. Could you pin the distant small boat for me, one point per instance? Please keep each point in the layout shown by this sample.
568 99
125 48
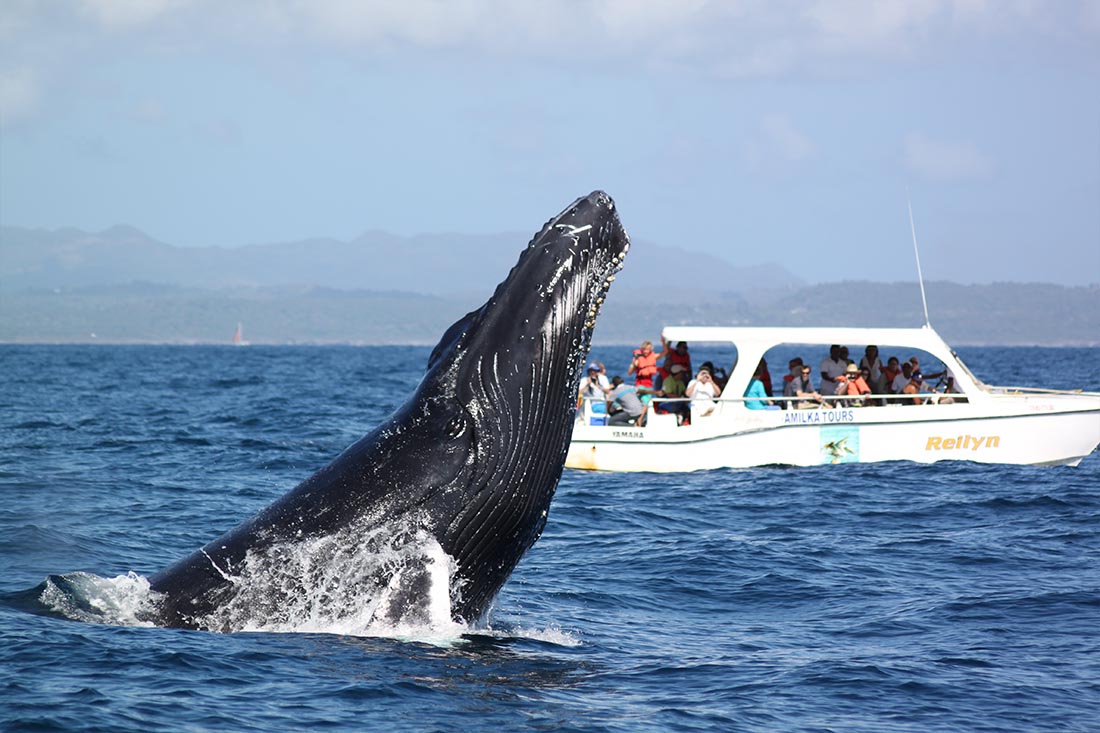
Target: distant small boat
238 337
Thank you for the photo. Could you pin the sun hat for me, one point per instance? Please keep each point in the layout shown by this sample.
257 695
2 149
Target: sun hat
852 369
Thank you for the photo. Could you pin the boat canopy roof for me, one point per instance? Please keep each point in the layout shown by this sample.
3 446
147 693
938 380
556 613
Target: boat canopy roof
745 337
752 342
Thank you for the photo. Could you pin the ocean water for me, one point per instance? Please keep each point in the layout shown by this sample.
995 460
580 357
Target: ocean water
888 597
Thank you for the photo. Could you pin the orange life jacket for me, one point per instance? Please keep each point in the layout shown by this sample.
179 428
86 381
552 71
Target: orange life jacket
645 367
855 386
674 357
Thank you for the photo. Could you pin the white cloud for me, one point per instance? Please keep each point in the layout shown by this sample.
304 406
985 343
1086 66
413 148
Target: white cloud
131 13
736 37
944 161
633 21
741 39
857 24
470 24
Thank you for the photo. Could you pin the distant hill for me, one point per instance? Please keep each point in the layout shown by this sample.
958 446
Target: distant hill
444 265
122 286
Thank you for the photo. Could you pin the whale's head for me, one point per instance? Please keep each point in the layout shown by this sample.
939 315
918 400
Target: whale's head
505 380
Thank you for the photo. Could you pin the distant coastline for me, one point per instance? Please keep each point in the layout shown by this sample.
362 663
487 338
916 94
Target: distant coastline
63 286
1002 314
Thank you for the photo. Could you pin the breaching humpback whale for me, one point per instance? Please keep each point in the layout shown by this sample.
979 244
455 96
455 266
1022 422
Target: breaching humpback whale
467 466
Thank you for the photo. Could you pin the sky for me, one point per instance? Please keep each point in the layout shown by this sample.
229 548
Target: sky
786 131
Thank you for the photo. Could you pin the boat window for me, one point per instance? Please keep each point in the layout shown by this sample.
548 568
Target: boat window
935 376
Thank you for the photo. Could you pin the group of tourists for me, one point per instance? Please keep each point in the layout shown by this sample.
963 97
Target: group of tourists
868 383
666 375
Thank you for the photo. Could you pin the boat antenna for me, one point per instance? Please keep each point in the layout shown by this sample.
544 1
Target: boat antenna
916 253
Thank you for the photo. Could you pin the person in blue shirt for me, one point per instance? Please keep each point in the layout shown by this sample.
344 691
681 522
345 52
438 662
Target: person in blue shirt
756 389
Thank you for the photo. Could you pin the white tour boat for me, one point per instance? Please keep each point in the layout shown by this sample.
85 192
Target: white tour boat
981 423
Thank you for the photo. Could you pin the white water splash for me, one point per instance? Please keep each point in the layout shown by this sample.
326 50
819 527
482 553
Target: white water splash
127 600
392 582
550 635
124 600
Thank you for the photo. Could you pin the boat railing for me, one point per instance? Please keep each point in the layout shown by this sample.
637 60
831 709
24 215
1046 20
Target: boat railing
826 401
998 391
838 397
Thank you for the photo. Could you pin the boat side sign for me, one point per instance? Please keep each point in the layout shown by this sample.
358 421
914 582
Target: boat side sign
818 417
963 442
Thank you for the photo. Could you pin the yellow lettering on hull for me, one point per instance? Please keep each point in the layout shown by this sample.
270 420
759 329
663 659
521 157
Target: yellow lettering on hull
963 442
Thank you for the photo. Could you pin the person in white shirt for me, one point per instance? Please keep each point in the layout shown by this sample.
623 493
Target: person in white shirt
831 368
702 390
595 385
873 364
902 378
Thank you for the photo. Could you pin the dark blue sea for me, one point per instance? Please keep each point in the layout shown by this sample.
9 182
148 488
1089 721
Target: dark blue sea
888 597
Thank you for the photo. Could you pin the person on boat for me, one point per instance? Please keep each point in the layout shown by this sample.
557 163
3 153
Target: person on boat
674 388
756 389
865 373
913 389
644 368
703 388
800 385
953 389
595 385
851 384
679 355
831 368
794 368
623 404
889 372
718 375
902 378
765 376
873 364
915 362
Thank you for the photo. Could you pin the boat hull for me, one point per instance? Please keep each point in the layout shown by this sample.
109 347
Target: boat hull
1039 435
